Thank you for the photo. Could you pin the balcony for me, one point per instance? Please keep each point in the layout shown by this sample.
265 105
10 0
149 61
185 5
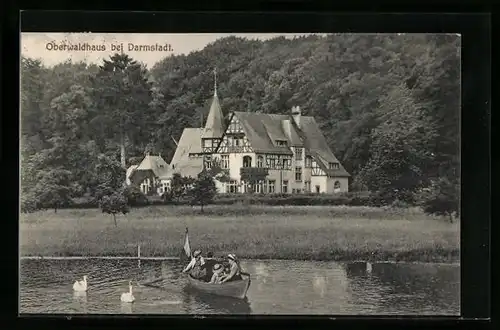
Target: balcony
253 173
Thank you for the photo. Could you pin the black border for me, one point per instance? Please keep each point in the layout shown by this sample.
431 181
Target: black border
476 96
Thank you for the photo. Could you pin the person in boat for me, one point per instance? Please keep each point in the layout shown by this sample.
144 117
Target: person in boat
218 274
234 269
210 262
196 267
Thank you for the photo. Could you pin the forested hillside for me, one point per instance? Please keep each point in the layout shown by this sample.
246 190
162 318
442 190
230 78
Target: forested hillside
388 105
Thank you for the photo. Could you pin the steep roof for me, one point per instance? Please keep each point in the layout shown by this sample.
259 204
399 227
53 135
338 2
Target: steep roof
189 143
262 130
129 172
154 163
316 145
214 126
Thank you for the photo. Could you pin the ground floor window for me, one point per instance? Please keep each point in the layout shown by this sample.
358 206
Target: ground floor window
285 187
317 189
336 187
272 186
298 174
144 187
257 188
307 186
232 187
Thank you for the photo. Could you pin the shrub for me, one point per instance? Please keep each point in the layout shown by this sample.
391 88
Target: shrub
279 199
135 196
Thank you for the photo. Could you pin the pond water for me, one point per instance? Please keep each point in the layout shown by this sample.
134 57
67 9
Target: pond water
278 287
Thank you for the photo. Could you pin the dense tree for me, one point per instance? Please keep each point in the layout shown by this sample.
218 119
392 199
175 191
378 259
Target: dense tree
180 187
203 191
108 178
123 94
52 190
441 198
399 153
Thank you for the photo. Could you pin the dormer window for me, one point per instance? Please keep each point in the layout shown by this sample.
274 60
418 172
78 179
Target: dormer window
333 166
281 143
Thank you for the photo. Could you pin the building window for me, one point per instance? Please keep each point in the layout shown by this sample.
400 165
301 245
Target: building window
298 153
281 143
298 174
286 164
208 162
224 161
260 161
308 161
317 189
264 187
336 187
247 161
285 186
271 161
232 187
333 166
257 188
272 186
307 186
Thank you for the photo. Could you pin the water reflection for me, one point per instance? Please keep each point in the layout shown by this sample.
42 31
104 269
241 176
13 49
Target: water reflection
357 269
126 308
80 296
219 304
392 288
320 285
80 301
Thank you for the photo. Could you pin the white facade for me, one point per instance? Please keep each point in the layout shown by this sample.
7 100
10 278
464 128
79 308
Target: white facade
296 179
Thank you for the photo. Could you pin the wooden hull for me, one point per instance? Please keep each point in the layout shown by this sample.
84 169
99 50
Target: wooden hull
233 289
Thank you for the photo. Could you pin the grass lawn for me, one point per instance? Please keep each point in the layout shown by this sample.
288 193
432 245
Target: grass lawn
258 232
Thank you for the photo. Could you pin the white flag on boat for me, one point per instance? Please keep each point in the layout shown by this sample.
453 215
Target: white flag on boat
187 248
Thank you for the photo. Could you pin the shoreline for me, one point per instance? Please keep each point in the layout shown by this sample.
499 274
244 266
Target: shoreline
451 262
452 257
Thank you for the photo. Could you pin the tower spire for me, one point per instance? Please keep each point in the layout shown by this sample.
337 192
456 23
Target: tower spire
215 81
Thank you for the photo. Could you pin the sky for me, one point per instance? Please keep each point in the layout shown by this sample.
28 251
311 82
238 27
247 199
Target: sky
40 45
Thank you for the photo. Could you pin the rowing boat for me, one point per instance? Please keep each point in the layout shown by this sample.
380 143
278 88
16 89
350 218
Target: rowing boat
234 289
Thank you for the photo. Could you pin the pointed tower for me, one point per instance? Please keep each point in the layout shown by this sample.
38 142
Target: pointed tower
214 126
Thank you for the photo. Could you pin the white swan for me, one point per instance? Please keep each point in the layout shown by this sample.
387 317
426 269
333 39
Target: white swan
81 286
127 296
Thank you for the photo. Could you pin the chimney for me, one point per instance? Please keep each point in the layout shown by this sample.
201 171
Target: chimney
296 113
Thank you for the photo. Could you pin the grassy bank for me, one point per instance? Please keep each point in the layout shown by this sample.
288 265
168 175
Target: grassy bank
260 232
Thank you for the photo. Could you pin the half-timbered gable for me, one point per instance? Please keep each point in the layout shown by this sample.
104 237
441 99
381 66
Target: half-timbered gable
234 139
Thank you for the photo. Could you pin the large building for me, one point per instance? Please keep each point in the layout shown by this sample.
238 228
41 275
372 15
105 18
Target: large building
287 153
